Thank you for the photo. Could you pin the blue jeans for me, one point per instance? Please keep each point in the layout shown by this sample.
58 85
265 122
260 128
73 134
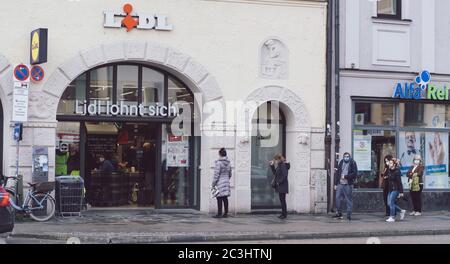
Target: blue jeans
344 192
392 203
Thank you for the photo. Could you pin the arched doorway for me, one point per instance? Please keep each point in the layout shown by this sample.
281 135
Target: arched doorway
268 139
133 116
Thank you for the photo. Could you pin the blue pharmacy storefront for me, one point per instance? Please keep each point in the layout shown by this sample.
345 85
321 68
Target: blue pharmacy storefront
403 115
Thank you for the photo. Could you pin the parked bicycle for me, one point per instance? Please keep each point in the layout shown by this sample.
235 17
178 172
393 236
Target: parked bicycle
38 202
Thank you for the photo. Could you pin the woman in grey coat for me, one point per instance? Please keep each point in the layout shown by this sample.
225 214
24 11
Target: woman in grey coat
222 175
280 181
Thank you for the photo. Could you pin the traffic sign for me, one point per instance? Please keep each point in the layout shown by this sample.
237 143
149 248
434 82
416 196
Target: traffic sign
37 73
21 73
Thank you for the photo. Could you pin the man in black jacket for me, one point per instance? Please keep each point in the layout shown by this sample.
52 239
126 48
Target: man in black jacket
343 184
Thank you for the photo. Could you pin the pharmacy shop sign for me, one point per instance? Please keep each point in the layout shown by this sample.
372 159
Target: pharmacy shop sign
102 108
421 89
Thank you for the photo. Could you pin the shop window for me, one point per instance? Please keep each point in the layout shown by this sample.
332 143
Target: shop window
389 9
67 157
433 147
127 84
424 115
369 149
75 91
176 169
101 85
374 114
152 86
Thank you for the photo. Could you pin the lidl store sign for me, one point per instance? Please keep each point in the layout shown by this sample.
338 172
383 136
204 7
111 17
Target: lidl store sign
421 89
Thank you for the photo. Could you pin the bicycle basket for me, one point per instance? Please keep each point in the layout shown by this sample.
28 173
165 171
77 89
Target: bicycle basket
44 187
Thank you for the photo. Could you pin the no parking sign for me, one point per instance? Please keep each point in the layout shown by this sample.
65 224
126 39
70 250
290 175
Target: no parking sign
37 74
21 73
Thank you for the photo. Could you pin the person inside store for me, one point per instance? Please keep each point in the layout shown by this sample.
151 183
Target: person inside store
344 178
148 161
73 162
415 180
394 176
105 166
385 183
280 169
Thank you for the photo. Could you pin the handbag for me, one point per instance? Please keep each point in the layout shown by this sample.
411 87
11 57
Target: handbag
415 185
214 192
274 183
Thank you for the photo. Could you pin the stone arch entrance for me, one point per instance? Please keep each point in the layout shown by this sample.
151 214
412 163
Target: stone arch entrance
43 104
301 143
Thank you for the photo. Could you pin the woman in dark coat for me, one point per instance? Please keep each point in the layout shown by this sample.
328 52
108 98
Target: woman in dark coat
385 183
395 190
280 181
222 175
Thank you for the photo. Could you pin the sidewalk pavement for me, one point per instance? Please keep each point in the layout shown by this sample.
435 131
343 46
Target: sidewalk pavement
183 226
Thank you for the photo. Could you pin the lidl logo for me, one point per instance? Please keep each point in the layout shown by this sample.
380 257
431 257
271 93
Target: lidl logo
421 89
130 20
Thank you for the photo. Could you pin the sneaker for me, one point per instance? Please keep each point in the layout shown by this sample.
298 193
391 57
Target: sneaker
282 217
412 213
338 216
390 220
225 216
217 216
402 214
418 214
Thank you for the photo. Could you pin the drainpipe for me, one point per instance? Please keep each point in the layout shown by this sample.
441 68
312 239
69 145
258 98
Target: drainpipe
337 96
329 112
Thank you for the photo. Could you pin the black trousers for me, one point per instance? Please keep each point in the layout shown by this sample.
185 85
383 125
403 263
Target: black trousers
220 201
283 203
385 199
416 198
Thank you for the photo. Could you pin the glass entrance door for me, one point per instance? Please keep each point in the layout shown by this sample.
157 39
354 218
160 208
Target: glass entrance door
268 139
121 163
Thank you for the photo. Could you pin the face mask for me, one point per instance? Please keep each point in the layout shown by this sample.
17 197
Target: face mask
346 159
417 162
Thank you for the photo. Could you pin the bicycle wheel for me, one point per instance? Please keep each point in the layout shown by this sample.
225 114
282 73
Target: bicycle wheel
42 215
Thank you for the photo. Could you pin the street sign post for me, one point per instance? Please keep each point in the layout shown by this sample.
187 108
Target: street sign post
21 76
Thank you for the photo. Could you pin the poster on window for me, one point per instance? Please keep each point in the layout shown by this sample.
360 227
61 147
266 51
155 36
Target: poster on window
362 150
411 143
177 151
436 161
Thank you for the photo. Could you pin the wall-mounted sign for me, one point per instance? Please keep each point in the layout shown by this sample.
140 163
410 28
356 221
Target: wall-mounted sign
37 73
107 108
21 77
21 73
139 20
38 46
421 89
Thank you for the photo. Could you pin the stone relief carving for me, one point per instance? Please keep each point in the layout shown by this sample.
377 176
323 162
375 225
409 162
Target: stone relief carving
41 106
274 60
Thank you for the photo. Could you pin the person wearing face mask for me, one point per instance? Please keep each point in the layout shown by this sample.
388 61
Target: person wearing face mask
385 183
343 185
415 180
394 176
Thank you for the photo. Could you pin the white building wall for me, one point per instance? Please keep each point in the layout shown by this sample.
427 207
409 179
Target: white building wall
214 47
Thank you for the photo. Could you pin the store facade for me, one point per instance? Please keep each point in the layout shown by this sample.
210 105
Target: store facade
393 95
161 94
